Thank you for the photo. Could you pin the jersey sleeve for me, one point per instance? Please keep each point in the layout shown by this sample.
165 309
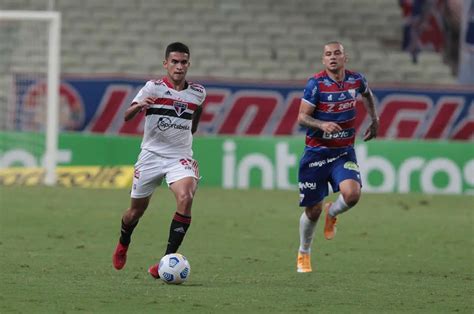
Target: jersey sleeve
204 94
364 86
310 94
200 92
143 93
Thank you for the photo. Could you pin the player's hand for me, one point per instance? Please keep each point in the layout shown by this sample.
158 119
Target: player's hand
371 132
330 127
145 103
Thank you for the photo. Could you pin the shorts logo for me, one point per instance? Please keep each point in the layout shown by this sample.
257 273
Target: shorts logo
307 185
180 107
351 166
318 163
190 164
136 174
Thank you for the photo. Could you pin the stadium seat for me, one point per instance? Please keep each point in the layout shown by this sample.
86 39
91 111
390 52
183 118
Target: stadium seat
264 32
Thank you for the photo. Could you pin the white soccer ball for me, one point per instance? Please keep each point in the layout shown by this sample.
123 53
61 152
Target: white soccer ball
174 268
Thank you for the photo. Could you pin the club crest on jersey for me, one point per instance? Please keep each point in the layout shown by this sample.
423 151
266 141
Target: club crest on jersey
180 107
352 92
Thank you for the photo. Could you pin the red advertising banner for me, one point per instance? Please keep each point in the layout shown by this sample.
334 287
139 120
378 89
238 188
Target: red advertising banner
248 108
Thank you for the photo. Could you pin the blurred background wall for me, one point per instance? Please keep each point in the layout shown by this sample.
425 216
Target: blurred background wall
254 58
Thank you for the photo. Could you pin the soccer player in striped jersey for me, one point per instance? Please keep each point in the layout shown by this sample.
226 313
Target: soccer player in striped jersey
172 108
328 111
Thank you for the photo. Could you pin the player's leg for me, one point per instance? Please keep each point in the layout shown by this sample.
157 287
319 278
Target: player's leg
348 197
345 178
182 177
131 217
312 181
183 190
148 175
129 221
308 221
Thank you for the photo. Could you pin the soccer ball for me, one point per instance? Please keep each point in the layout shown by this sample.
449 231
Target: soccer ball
174 268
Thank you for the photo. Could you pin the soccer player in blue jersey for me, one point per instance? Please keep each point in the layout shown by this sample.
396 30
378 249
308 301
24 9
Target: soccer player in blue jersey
328 111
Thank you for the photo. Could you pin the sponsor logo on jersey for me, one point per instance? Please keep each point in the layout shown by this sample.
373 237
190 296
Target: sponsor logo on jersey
351 166
307 185
351 80
168 93
330 97
314 91
342 96
337 135
197 89
180 107
327 82
165 123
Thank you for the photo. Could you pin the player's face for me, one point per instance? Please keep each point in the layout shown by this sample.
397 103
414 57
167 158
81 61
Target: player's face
177 65
334 57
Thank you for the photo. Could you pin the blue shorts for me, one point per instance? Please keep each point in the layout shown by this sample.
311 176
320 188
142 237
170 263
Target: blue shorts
318 168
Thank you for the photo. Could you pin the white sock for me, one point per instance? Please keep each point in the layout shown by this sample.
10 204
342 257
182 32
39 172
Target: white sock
338 207
306 233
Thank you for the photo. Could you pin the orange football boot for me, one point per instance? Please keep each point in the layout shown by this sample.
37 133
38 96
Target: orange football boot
330 224
303 264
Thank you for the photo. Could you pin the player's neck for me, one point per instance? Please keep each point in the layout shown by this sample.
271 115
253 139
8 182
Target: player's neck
337 76
177 85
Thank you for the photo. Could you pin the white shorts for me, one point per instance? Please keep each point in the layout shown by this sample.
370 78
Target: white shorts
150 170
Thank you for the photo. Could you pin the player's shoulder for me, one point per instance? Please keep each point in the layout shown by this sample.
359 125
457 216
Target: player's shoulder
156 82
353 75
316 78
197 87
320 75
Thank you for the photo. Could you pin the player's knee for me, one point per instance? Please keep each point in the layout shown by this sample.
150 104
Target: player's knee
136 212
351 197
313 212
185 198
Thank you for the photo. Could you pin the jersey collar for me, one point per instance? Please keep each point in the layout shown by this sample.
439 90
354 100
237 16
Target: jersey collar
168 83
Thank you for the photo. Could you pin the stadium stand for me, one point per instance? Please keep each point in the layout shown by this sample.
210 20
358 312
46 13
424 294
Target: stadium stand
262 39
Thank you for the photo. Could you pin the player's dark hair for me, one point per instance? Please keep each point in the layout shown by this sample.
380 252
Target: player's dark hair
176 47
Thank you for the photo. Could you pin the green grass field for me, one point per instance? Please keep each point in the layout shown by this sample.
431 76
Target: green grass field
393 254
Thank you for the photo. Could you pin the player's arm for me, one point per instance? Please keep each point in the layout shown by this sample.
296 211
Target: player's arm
305 119
196 117
369 103
136 107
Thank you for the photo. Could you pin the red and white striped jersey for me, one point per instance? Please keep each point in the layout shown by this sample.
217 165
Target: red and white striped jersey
168 121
